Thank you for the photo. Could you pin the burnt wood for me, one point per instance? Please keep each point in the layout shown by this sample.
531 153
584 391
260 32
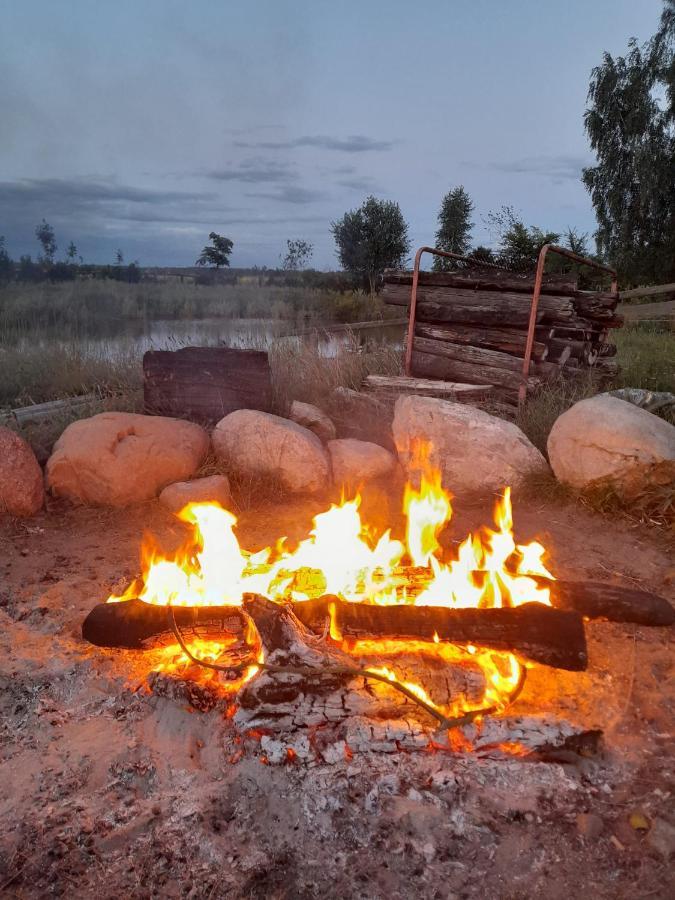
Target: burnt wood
549 636
537 632
132 623
615 603
206 383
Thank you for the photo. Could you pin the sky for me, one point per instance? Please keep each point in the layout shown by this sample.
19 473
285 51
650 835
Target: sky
146 124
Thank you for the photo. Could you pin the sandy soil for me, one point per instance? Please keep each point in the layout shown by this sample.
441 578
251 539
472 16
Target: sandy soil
109 790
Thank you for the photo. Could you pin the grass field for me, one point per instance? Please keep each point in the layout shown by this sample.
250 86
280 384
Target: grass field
96 307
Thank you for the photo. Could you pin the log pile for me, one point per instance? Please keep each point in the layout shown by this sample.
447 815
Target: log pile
471 327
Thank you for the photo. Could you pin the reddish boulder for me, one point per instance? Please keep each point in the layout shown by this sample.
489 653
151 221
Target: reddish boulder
21 483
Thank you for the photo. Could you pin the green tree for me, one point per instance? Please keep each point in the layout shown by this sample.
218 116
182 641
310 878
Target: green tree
482 254
454 227
71 253
519 244
119 257
577 243
630 122
217 255
371 239
298 254
45 235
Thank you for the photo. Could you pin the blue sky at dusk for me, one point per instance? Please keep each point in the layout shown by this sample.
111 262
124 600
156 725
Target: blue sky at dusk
144 125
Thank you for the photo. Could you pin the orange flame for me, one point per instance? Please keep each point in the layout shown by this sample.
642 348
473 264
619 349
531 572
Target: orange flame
341 557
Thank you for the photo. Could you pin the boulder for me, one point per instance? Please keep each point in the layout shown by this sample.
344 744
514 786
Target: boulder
214 489
474 450
605 440
115 458
313 418
255 443
355 461
21 483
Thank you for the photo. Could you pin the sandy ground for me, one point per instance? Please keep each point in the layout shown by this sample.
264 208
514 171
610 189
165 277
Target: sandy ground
109 790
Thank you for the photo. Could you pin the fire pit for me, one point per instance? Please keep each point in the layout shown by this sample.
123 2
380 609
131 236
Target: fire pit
362 635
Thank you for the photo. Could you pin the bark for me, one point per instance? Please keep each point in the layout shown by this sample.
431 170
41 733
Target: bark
392 386
507 340
460 300
540 633
493 279
616 603
427 365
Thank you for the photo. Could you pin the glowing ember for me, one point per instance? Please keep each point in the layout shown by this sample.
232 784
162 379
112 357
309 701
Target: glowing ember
341 557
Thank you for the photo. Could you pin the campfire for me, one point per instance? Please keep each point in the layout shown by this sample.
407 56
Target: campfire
352 624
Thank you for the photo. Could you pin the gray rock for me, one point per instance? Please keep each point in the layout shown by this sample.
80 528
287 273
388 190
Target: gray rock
313 418
214 489
604 440
661 837
474 450
652 401
260 444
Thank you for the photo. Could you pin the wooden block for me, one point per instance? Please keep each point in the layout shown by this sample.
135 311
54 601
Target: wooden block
206 383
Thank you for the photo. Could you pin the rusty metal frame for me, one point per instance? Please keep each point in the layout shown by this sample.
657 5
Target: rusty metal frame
538 280
413 292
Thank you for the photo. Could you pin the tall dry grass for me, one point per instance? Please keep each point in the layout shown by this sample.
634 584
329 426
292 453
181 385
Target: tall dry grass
97 307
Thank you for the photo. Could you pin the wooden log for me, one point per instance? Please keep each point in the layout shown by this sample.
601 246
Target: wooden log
392 386
479 356
616 603
541 633
465 302
426 365
576 347
537 632
132 623
507 340
466 353
206 383
559 358
493 279
608 368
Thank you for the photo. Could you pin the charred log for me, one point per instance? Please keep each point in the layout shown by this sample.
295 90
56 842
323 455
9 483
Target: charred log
596 600
549 636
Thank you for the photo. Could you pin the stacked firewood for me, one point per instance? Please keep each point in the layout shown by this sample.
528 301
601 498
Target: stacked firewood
471 326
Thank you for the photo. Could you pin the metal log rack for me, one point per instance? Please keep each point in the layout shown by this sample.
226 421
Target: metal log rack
538 281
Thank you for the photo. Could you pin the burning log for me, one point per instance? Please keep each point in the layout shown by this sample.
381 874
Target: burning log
534 631
130 623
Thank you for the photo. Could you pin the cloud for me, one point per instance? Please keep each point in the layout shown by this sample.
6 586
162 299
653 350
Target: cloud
355 143
83 191
561 167
363 183
292 193
254 171
87 206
